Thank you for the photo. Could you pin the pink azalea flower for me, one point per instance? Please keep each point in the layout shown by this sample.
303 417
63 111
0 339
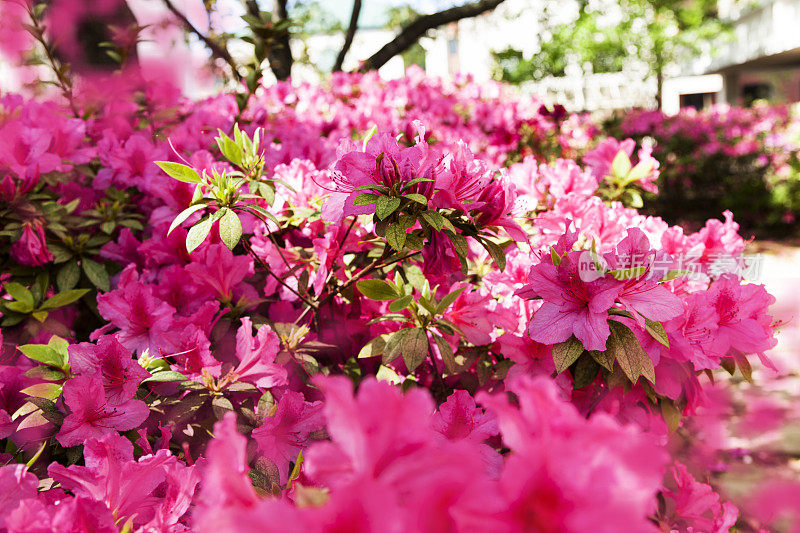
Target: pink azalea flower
697 506
640 294
70 515
571 306
460 418
145 322
691 335
131 489
600 158
546 483
31 248
460 179
477 314
744 325
119 373
16 485
257 356
283 435
226 487
384 163
93 415
222 271
497 207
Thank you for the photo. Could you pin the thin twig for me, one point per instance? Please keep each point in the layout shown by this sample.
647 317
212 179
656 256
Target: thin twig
269 271
217 49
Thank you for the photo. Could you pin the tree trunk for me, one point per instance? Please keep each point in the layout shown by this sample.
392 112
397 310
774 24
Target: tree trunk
348 37
659 87
280 55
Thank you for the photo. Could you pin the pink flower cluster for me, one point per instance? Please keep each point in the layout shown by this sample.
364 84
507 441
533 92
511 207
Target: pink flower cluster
471 351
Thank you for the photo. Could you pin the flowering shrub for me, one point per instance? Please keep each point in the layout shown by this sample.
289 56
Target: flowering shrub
362 306
743 159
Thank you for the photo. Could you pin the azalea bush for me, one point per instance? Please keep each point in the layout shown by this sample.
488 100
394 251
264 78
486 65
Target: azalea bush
362 305
743 159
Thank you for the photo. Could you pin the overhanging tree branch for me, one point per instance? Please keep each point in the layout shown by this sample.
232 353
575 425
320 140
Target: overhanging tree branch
279 53
411 33
217 50
348 37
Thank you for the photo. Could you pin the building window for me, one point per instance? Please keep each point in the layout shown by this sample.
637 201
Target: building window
756 91
452 46
698 100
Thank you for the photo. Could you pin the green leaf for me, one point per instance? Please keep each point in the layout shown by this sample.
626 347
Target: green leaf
396 236
728 364
400 303
366 198
221 406
20 294
183 215
43 354
414 182
498 254
674 274
198 233
406 221
621 164
448 300
414 241
40 286
434 219
642 169
459 243
629 354
416 197
414 347
385 373
567 352
554 256
392 350
446 352
621 274
96 273
379 188
230 229
232 151
374 347
267 192
634 199
376 289
297 468
63 298
179 172
385 206
394 317
50 391
446 324
68 275
671 415
605 359
657 331
257 209
165 376
46 373
584 371
744 367
415 276
19 307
